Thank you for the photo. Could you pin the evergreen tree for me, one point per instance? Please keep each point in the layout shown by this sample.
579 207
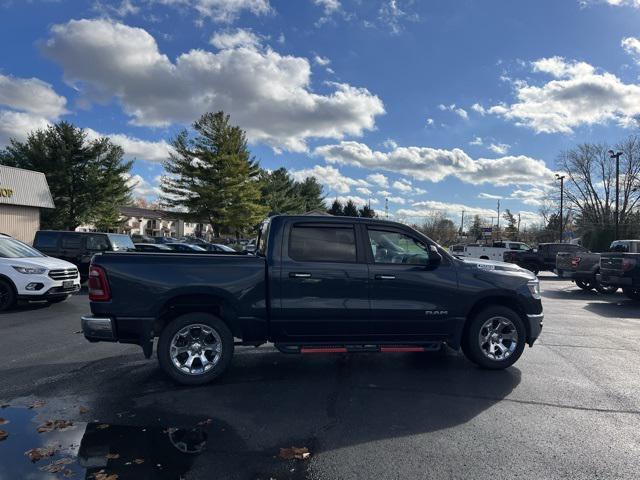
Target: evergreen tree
336 208
279 192
213 177
309 194
367 212
511 230
475 231
87 179
350 209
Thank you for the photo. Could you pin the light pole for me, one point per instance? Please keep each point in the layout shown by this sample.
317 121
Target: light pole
617 156
561 178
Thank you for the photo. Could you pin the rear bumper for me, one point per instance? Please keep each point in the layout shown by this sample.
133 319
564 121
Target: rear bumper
612 279
98 329
535 322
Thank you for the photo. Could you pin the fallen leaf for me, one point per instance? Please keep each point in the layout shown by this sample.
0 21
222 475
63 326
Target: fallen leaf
3 435
36 454
83 409
300 453
57 466
105 476
113 456
102 426
51 425
37 404
3 421
138 461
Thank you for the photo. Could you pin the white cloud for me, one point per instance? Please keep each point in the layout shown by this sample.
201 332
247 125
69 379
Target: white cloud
429 122
224 11
499 148
267 93
398 200
402 186
329 176
489 196
461 112
419 191
31 95
535 196
379 179
385 193
615 3
476 107
390 144
427 208
577 95
392 16
322 61
476 141
425 163
364 191
329 6
17 125
631 45
142 188
240 37
149 151
126 7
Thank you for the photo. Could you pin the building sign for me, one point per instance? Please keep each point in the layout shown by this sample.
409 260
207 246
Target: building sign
487 231
6 192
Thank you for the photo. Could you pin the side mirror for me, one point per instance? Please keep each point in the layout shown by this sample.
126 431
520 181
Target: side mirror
435 259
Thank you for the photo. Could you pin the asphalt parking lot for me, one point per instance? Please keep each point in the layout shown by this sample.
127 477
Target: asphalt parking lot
569 408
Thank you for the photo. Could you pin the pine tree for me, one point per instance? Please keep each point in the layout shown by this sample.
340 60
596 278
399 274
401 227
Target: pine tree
309 194
511 230
336 208
87 179
213 177
350 209
367 212
475 232
279 192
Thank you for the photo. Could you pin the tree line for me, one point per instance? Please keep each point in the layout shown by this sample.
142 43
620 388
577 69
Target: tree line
211 177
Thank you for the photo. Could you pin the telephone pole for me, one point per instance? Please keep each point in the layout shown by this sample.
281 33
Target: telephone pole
498 226
561 178
617 156
462 223
386 208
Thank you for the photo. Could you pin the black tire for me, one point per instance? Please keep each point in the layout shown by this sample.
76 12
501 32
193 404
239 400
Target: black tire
472 347
584 285
58 299
607 289
7 295
180 323
532 268
632 293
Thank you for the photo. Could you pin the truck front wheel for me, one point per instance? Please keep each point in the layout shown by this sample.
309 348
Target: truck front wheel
195 348
632 293
495 338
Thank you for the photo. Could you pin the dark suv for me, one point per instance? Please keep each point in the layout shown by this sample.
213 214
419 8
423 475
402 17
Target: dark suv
79 247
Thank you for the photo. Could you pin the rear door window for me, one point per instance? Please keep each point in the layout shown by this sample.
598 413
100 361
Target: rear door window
46 240
322 244
97 243
71 241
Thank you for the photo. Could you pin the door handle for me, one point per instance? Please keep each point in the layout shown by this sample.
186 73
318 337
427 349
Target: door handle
385 277
299 275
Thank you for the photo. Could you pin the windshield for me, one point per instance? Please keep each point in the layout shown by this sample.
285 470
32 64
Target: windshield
121 242
197 248
11 248
224 248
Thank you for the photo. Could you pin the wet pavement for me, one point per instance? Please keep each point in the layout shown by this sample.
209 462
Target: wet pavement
570 408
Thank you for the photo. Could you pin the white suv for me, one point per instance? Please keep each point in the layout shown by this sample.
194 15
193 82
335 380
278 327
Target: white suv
27 275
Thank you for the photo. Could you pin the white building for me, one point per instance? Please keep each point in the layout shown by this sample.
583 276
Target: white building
157 223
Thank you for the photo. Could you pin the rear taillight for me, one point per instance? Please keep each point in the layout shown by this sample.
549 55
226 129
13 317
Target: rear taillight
98 285
628 264
575 261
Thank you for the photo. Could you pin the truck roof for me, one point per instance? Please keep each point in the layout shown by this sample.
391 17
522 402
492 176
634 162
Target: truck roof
339 219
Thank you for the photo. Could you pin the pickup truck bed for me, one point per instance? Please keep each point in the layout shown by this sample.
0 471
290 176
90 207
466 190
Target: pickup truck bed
317 284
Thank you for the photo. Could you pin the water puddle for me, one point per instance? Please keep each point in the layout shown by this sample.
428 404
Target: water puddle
43 448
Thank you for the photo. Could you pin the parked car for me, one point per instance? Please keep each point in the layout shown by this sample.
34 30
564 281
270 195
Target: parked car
621 267
153 247
162 240
79 247
218 248
583 268
495 251
28 275
250 247
317 285
186 248
542 258
137 238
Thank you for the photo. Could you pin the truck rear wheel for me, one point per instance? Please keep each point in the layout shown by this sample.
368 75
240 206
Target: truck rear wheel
584 285
632 293
195 348
495 338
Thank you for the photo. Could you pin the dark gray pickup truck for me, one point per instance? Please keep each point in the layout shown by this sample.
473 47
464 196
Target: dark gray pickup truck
621 267
316 285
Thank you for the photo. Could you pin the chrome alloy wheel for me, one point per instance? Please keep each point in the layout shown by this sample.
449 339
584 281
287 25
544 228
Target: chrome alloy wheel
196 349
498 338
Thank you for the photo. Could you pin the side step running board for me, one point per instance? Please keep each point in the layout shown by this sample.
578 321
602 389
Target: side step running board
363 348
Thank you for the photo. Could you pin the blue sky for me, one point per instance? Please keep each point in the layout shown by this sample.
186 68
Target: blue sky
435 105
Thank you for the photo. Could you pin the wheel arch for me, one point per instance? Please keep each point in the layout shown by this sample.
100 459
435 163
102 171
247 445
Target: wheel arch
9 281
208 303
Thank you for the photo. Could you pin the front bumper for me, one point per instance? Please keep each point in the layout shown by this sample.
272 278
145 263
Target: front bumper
535 321
53 292
98 329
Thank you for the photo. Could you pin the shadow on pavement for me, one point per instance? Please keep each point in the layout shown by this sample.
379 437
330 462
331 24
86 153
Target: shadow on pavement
617 308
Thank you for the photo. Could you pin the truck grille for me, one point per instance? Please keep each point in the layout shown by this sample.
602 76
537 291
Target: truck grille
64 274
